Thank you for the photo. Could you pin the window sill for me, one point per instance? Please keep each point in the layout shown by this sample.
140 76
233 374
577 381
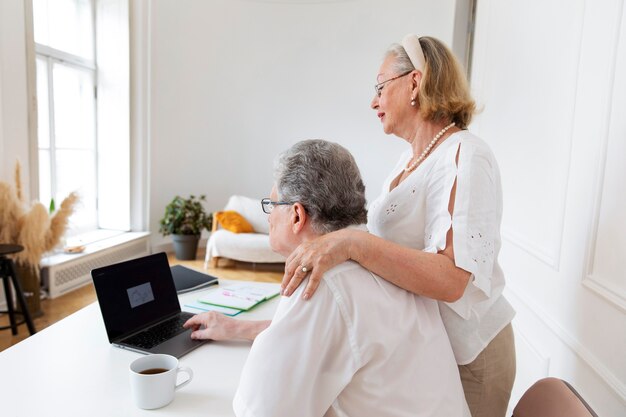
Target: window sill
94 242
62 272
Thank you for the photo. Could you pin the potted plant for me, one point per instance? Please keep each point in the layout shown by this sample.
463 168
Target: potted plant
185 219
36 229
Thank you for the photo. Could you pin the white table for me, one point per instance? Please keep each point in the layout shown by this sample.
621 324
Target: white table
70 369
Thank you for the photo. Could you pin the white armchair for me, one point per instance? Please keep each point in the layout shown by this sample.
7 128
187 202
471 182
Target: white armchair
246 247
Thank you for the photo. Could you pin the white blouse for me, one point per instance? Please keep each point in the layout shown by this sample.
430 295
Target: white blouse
415 214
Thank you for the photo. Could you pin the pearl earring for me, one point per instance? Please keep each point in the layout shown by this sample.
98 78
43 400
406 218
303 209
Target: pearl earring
413 102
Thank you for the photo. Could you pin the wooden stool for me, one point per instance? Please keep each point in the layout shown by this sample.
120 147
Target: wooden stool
8 275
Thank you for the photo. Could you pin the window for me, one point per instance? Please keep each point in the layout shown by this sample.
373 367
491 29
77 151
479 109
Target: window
66 100
83 139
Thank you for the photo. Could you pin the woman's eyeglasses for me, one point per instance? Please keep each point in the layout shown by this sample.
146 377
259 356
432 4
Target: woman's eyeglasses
379 87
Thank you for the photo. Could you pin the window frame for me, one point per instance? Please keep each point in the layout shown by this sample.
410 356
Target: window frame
121 139
51 58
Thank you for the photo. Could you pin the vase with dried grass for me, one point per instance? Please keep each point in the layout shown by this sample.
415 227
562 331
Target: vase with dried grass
34 228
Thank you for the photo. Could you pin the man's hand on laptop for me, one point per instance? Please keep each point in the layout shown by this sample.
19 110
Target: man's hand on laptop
216 326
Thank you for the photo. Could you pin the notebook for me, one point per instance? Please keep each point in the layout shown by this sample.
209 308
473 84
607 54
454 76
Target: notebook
187 280
242 296
140 307
202 307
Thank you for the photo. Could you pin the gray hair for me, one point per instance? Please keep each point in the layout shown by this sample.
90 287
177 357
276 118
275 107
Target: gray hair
402 63
324 178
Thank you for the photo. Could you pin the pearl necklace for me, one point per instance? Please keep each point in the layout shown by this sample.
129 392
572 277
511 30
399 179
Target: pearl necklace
411 167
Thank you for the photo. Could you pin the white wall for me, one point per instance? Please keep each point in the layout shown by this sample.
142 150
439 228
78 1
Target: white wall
552 78
14 142
2 154
235 82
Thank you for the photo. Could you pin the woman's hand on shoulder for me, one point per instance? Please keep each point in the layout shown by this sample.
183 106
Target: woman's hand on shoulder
314 258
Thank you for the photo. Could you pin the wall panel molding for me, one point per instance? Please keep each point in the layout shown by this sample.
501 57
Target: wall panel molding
588 358
553 103
536 364
605 290
591 279
542 239
534 250
540 358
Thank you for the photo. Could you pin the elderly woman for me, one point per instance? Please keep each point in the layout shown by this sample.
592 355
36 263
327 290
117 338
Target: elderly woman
362 346
435 228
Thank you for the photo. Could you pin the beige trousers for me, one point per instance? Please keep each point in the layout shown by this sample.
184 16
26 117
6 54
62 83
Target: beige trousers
488 380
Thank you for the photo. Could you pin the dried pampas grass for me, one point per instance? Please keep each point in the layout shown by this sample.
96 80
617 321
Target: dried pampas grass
10 212
18 181
59 221
31 227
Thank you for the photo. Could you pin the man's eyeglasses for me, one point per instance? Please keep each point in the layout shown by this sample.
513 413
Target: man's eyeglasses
268 205
379 87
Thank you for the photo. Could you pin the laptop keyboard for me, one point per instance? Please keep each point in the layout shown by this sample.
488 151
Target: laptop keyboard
159 333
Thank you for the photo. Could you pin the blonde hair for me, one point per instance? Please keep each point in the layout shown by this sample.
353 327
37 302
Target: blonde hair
444 94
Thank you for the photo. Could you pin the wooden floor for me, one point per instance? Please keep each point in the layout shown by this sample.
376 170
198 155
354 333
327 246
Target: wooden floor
61 307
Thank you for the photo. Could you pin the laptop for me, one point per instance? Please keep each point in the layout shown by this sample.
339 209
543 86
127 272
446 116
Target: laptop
140 307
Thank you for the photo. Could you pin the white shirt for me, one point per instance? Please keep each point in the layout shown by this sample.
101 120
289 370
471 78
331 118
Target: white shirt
360 347
415 214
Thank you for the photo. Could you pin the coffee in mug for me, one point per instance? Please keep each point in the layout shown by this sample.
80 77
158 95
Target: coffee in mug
153 380
153 371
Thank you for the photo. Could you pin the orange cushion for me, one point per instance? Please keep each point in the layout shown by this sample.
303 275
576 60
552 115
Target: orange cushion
233 221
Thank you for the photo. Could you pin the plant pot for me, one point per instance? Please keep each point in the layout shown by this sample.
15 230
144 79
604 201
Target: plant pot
185 246
31 288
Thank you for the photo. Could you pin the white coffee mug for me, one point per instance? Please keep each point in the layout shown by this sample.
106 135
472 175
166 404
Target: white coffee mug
153 380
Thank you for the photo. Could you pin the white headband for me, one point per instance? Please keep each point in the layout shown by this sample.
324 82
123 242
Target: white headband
411 44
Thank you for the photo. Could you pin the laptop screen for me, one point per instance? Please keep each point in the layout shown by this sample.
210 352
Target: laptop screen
135 294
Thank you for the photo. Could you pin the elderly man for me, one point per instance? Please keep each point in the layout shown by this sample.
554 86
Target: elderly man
361 346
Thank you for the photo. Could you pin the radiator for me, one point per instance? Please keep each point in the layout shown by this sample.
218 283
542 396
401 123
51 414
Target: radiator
63 273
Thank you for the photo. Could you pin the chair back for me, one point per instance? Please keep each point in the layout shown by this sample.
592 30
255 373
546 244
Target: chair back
552 397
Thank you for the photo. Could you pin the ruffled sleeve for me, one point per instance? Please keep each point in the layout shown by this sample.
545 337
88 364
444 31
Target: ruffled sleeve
475 218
